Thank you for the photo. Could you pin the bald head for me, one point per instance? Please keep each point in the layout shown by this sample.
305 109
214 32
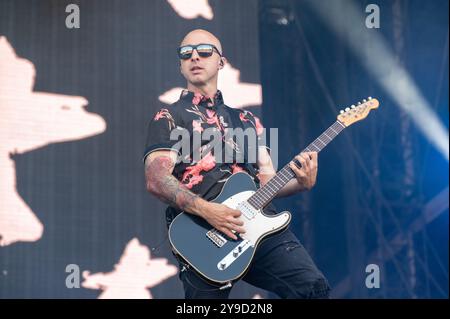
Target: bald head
201 72
201 36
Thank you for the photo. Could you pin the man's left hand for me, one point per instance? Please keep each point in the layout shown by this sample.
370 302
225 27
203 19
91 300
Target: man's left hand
307 174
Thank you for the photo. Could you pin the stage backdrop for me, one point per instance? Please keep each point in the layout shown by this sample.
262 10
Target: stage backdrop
74 105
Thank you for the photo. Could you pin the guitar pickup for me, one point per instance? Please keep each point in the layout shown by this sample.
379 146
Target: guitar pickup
215 236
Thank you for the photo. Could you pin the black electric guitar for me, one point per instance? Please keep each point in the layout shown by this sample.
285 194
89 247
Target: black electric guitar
217 257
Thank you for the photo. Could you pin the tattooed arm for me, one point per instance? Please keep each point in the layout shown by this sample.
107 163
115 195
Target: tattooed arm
161 183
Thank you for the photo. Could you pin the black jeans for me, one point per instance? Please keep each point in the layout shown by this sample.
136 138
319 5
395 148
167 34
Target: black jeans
280 265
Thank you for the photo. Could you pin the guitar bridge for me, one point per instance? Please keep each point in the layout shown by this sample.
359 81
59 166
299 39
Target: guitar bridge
216 237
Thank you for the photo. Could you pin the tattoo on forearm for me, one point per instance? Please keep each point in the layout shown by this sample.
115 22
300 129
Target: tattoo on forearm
166 187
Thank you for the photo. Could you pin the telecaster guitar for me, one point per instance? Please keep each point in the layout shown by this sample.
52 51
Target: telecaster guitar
217 257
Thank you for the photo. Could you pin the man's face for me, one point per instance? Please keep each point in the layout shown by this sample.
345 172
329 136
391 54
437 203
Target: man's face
198 70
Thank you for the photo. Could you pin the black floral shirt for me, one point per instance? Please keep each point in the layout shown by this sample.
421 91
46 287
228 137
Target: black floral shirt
206 177
194 113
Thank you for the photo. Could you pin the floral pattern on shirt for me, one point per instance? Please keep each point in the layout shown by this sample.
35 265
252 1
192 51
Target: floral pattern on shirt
196 113
164 113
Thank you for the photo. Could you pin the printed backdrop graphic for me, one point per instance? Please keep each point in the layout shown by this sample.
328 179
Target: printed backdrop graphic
30 120
74 105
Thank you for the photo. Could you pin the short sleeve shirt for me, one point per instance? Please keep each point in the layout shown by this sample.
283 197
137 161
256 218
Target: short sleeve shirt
193 114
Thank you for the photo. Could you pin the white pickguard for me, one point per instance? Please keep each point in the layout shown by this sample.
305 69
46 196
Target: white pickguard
260 224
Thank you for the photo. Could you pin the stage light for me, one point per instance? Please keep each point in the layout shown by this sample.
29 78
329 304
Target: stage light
378 58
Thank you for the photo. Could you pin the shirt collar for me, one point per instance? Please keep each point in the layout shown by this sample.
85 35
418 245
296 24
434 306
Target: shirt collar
199 99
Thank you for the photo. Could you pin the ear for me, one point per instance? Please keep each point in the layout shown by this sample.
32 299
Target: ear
222 62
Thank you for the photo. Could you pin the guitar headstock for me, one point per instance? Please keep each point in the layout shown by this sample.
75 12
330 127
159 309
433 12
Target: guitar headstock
357 112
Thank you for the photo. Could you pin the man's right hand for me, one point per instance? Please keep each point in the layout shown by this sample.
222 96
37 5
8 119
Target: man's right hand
160 182
223 218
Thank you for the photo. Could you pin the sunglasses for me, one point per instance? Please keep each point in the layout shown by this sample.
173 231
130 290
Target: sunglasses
204 50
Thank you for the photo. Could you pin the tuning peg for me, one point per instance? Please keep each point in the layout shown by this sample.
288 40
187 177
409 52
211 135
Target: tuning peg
359 103
347 109
341 111
364 100
369 98
353 106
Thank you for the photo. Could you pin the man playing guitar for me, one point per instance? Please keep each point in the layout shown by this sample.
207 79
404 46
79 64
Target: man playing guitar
281 264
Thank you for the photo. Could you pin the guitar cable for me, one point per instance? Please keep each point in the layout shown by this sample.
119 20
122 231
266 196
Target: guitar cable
153 249
186 267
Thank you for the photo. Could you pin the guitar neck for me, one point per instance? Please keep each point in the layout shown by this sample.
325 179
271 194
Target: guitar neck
265 194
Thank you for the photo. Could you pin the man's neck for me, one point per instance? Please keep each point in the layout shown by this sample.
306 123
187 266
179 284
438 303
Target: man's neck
207 90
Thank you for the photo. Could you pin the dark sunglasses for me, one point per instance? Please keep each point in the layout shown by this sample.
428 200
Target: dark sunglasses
204 50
